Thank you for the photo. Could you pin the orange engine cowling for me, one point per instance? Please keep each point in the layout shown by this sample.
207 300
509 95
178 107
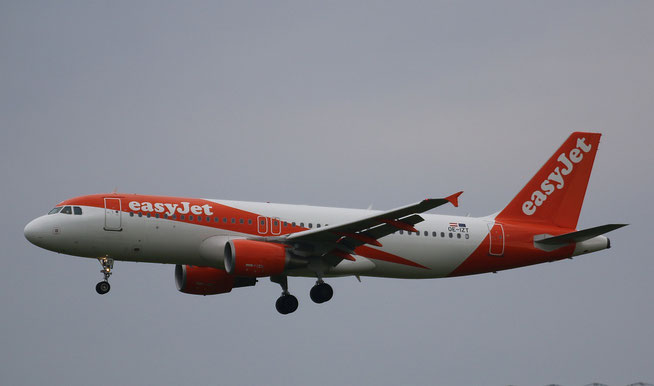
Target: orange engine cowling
207 281
252 258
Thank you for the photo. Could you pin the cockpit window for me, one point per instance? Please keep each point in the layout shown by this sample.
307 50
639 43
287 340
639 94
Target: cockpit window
77 210
67 210
55 210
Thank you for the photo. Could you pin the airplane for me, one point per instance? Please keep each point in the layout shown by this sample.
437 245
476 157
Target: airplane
219 245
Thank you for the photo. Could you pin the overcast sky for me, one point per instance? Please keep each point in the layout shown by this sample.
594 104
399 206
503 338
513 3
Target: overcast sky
338 104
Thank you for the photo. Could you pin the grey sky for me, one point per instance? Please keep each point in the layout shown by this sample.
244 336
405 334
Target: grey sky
338 104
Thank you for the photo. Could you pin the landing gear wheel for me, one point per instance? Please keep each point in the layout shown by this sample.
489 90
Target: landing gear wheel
102 287
107 265
321 293
286 304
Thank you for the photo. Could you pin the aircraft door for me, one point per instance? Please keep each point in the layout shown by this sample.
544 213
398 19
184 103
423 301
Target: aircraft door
275 226
112 214
496 239
262 225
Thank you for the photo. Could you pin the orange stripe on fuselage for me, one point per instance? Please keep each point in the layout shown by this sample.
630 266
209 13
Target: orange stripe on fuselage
217 210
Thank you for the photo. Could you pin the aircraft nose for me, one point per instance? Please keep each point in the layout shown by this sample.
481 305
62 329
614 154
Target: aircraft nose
33 232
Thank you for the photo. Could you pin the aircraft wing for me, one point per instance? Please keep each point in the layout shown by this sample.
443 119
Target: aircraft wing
341 239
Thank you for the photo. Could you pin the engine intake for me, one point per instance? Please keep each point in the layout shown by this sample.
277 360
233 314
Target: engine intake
252 258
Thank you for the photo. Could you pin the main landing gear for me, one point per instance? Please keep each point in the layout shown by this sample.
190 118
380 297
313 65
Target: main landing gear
286 303
107 265
321 292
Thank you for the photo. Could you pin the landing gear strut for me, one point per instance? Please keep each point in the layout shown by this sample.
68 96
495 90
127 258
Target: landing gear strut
321 292
286 303
107 265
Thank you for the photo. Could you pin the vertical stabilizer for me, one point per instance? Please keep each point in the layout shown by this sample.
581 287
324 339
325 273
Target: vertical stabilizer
556 193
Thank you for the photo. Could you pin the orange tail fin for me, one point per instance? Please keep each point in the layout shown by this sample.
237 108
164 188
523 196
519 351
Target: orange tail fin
555 194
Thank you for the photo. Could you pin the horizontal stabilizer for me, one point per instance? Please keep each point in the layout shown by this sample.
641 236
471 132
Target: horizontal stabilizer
579 236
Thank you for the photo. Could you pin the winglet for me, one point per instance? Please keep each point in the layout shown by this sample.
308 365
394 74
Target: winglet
454 199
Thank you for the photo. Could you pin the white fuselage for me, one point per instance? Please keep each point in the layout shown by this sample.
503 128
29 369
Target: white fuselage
437 250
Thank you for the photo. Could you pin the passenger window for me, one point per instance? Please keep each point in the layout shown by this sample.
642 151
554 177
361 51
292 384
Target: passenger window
293 224
418 233
131 214
433 234
302 224
426 233
285 224
216 219
140 214
241 221
467 236
225 220
55 210
310 225
67 210
317 225
165 215
450 234
249 221
233 221
458 235
442 234
77 210
401 232
148 215
182 217
275 223
190 217
156 215
174 217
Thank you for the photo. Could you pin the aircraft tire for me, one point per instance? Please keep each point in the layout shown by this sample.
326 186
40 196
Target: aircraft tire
321 293
102 287
286 304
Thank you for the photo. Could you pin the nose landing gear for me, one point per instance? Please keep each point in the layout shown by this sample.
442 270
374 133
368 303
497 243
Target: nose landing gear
107 265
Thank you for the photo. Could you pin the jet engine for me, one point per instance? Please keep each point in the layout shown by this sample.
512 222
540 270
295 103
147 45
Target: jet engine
252 258
207 281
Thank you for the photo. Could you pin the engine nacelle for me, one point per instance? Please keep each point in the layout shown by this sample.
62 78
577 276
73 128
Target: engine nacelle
212 251
207 281
252 258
